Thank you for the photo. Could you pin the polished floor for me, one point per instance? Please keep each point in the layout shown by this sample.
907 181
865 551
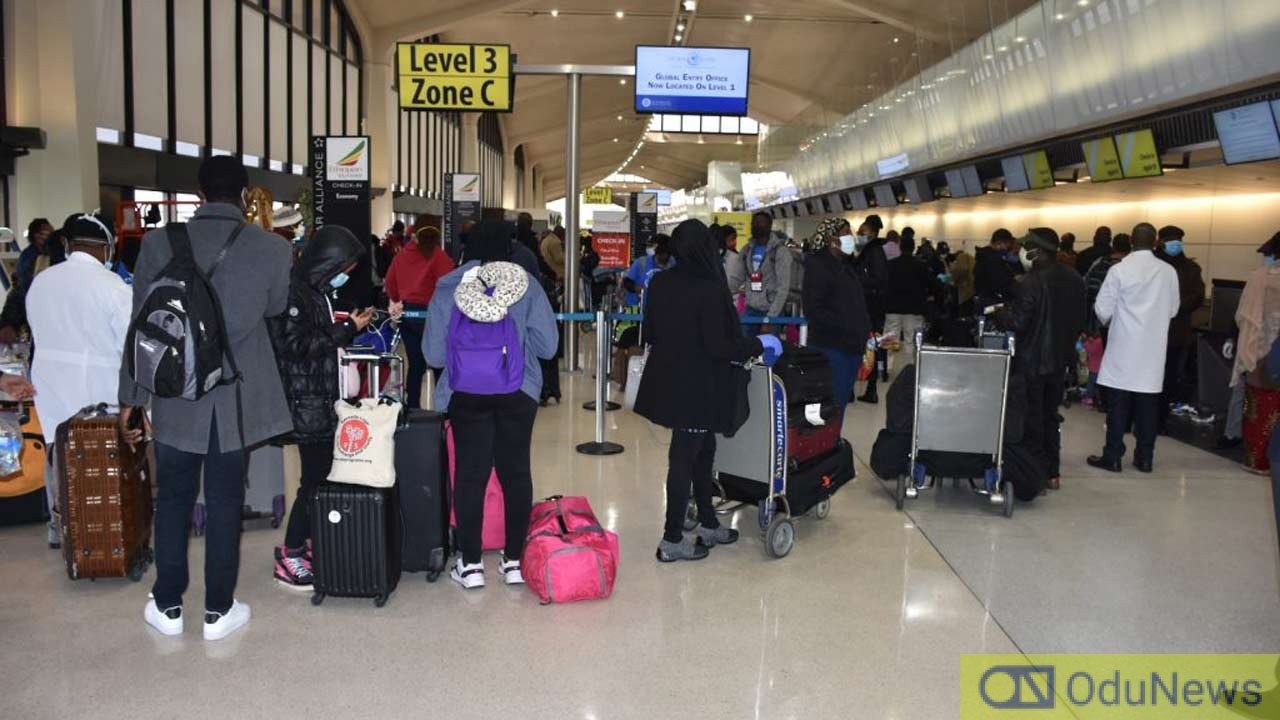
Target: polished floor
866 618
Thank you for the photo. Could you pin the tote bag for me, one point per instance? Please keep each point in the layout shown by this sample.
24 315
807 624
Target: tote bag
364 447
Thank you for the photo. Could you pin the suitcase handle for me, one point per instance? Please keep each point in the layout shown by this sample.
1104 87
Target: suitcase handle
374 360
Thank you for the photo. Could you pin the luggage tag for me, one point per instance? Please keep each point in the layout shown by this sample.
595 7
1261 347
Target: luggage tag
813 413
757 282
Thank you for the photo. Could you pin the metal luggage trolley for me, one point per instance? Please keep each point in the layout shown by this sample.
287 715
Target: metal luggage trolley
751 467
960 400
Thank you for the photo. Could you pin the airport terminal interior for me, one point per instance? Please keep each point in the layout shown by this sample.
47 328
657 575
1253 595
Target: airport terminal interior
851 170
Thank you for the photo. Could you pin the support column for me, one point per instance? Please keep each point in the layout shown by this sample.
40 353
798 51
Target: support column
380 126
51 48
530 197
571 219
509 181
471 144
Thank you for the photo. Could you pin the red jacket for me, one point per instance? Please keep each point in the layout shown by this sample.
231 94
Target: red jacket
413 276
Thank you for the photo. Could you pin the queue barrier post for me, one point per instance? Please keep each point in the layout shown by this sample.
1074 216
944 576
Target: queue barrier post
600 446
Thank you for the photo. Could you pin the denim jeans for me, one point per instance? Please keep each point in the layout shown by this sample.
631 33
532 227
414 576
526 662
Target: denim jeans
844 372
178 477
412 329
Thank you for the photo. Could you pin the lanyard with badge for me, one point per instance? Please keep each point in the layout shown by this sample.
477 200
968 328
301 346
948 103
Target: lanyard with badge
757 264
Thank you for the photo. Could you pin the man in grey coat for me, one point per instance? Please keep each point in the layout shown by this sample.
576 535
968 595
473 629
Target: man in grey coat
252 283
771 269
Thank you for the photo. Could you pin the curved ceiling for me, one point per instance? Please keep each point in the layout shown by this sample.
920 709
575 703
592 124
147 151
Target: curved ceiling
812 62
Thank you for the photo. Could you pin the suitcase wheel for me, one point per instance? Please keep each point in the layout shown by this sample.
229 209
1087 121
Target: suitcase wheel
433 575
277 511
137 571
380 600
317 598
822 509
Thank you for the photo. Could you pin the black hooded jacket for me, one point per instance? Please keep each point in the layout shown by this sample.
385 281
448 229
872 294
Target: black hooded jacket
688 382
306 338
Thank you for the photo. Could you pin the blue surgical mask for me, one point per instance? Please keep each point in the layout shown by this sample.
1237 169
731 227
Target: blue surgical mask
862 240
1269 259
650 251
339 280
1173 248
848 244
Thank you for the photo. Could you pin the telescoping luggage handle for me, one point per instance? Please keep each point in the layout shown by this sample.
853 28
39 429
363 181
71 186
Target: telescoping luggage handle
375 374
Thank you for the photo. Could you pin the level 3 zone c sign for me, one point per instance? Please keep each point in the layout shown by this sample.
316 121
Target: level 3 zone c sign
454 77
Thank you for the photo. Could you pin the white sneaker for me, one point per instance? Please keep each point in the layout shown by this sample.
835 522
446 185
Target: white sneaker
166 622
469 577
510 570
220 625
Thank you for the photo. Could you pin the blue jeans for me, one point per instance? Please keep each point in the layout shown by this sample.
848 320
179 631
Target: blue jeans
844 372
412 330
178 476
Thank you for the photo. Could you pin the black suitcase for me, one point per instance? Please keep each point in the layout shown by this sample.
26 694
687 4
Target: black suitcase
355 542
812 482
806 375
420 477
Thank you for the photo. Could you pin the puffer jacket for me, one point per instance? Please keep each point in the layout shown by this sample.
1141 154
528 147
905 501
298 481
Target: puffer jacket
306 338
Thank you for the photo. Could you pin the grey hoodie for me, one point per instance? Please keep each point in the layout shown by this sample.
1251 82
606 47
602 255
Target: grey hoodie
535 322
777 274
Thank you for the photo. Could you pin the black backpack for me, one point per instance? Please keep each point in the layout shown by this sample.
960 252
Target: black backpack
177 341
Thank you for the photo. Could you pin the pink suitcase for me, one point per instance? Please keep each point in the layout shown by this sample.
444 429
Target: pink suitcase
494 534
569 556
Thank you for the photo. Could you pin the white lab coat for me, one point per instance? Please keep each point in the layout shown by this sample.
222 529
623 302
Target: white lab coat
1137 301
79 312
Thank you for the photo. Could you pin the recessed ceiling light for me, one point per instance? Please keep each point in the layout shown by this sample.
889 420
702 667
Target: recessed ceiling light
1003 48
1060 16
748 18
1020 39
622 81
615 139
619 118
679 37
895 41
989 57
555 13
619 14
1082 3
690 5
680 27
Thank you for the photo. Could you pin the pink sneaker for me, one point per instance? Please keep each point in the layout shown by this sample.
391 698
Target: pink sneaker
293 569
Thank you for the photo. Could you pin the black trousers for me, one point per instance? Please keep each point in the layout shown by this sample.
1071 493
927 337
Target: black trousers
412 330
1125 408
1175 384
178 476
492 432
1042 433
317 461
689 464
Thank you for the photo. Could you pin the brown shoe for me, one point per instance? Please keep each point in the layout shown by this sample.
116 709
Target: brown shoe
1055 483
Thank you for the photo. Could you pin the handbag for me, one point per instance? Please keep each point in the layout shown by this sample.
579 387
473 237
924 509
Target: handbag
364 448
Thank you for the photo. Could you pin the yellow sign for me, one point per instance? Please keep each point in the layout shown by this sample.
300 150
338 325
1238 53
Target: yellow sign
1118 687
1138 155
433 76
740 221
597 196
1039 172
1100 156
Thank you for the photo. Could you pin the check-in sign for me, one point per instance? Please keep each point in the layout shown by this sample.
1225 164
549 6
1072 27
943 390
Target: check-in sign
468 78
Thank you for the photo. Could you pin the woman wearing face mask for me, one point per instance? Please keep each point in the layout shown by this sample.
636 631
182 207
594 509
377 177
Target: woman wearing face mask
835 304
306 341
1258 317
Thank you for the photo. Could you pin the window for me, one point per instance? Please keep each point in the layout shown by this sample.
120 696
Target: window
107 135
186 148
148 142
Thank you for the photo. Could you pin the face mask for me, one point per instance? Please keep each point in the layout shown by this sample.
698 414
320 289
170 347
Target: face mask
1025 257
650 251
339 280
862 240
848 244
1269 259
1173 248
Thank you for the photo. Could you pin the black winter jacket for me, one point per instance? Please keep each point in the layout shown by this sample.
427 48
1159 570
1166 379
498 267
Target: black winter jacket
835 303
1191 297
911 284
993 276
306 338
873 271
1047 317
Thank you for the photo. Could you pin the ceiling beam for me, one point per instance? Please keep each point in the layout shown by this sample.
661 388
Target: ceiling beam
436 22
888 17
558 129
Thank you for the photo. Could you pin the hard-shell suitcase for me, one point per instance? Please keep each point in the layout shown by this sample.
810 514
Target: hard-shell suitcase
420 472
493 535
806 375
805 440
355 538
104 497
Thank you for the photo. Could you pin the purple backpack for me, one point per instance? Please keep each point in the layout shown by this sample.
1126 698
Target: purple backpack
484 358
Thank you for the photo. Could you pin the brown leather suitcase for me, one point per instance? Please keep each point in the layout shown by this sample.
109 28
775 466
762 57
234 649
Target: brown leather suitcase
104 496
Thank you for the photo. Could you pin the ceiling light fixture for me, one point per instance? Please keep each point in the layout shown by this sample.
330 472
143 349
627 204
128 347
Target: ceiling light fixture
1020 39
1060 17
619 14
989 57
1082 3
1003 48
680 27
748 18
622 81
690 5
895 41
615 139
679 37
555 13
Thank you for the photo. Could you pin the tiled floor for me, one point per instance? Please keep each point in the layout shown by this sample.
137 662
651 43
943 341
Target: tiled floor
866 618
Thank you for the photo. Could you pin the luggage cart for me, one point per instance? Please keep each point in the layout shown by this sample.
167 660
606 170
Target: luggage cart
751 468
960 400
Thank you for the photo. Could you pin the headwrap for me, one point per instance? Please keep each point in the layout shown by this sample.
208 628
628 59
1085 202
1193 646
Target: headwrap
828 230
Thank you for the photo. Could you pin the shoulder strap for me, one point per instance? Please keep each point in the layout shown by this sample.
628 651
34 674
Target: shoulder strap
226 247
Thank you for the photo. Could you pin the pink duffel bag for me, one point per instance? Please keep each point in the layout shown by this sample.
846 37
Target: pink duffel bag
494 533
569 556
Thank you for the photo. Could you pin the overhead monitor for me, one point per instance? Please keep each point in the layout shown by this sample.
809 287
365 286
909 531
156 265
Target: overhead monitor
836 202
955 183
885 197
1139 157
918 190
1039 171
1015 174
664 196
1248 134
1102 159
972 181
893 165
693 80
858 198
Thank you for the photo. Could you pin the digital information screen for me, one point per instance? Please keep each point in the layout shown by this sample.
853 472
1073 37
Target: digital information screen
859 200
1015 174
1039 171
1103 161
885 197
972 182
1248 134
692 80
918 190
1138 155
